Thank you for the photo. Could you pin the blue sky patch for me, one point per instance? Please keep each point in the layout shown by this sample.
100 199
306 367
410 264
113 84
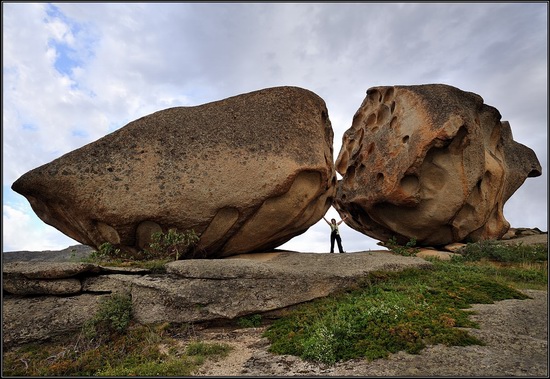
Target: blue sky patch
64 62
30 127
66 56
80 133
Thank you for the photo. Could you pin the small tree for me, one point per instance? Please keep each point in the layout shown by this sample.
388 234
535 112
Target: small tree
173 243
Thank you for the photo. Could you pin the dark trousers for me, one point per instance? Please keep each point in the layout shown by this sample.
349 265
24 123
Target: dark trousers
336 236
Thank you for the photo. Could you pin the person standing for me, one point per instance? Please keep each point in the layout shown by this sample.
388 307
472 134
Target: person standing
335 234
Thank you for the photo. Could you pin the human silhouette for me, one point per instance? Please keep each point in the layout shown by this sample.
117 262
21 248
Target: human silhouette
335 234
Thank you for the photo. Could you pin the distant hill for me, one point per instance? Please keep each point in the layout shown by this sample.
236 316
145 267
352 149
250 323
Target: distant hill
75 252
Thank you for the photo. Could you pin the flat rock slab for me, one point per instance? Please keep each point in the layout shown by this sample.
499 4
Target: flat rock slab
200 290
291 263
41 318
191 291
47 270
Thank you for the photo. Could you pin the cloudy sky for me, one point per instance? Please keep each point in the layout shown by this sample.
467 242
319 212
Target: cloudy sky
74 72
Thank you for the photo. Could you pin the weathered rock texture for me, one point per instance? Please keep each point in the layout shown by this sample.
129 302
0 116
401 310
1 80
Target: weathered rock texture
247 173
38 304
429 162
229 288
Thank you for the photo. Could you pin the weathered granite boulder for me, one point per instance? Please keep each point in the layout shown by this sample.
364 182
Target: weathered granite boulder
429 162
246 173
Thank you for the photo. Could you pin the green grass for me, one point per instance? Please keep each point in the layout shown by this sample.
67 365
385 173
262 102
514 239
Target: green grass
500 252
141 351
251 321
408 310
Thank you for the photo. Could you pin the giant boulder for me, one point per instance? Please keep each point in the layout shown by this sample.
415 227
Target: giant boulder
246 173
431 163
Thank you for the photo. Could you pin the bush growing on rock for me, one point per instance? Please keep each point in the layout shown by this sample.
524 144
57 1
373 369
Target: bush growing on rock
172 244
113 317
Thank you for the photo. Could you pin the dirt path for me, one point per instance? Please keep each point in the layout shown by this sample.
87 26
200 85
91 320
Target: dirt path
515 333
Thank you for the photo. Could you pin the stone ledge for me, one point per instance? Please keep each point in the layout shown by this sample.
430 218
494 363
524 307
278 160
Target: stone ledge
191 291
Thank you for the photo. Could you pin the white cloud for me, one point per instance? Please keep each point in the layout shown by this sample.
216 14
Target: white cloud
21 231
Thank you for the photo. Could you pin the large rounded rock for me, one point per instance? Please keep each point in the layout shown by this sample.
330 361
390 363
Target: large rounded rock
246 173
431 163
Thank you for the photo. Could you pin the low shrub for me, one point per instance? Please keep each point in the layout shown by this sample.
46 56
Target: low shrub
408 250
141 350
251 321
114 316
501 252
173 244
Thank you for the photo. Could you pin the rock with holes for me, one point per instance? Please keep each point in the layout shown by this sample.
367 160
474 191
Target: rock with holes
431 163
246 173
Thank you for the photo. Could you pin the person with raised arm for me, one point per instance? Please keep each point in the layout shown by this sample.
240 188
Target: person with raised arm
335 234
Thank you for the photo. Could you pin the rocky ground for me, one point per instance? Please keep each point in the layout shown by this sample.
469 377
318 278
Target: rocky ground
515 333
